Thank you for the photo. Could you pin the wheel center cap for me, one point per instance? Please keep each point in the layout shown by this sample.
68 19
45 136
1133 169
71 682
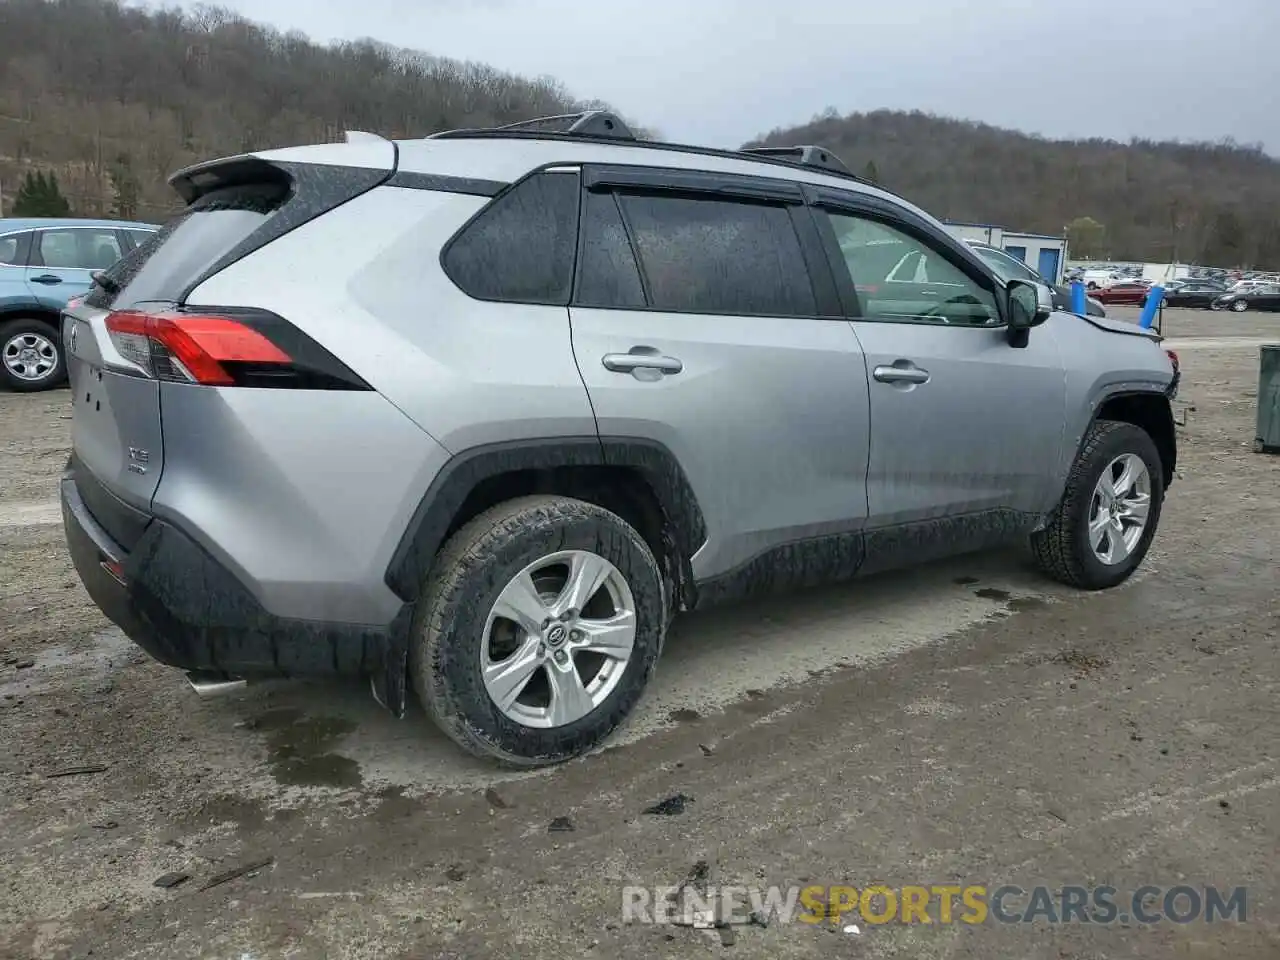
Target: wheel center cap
556 635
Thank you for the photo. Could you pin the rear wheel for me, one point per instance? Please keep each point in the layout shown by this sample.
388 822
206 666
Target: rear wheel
1103 527
538 630
31 356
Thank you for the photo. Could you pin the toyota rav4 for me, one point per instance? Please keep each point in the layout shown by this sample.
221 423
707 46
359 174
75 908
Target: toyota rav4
476 415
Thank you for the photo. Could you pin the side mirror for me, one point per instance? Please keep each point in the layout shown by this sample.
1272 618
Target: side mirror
1026 310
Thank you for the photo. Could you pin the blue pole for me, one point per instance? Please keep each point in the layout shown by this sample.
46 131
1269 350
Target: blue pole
1150 307
1078 303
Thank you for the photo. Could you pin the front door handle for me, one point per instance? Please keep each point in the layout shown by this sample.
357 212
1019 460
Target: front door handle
901 372
46 278
641 358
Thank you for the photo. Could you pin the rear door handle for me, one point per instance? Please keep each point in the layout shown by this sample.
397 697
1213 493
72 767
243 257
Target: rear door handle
640 358
906 373
46 278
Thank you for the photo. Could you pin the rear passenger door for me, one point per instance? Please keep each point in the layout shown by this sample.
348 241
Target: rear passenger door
705 320
63 261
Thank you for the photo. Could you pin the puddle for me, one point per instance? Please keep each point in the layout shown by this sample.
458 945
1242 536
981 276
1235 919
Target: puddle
992 593
299 750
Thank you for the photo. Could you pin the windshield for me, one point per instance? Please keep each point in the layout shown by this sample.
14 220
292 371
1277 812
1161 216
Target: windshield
1007 267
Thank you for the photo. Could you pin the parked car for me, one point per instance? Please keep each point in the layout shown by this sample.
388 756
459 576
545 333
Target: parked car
1125 291
1264 297
1096 279
598 380
1192 293
1009 267
43 264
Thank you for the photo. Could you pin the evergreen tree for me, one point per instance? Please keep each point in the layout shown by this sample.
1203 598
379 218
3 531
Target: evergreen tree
125 186
39 196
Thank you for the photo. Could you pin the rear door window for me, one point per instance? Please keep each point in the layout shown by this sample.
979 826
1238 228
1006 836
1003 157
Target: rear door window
520 248
608 275
705 255
78 249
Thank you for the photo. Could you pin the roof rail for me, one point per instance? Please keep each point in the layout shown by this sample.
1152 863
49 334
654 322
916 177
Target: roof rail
603 125
589 123
806 155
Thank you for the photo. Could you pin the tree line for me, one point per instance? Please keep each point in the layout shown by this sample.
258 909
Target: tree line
111 99
114 98
1208 203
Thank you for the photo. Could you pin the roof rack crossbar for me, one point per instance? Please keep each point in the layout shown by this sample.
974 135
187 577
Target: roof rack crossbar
589 123
806 155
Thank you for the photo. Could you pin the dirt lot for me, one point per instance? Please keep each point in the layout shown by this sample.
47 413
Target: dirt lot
965 723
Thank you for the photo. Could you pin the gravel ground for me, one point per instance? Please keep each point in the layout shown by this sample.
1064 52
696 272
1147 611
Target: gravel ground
964 723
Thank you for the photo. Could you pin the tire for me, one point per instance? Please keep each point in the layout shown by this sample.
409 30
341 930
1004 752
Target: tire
450 641
1239 306
1164 303
1063 549
27 342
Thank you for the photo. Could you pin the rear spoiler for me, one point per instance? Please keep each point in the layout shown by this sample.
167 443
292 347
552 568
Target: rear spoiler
276 168
195 181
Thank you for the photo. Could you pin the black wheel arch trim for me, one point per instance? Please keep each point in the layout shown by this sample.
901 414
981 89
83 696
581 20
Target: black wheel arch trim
29 311
1149 393
434 516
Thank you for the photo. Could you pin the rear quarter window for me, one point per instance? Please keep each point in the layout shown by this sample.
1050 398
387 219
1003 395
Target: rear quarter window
520 248
13 250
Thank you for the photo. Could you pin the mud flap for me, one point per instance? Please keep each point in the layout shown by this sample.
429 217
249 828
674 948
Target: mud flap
389 681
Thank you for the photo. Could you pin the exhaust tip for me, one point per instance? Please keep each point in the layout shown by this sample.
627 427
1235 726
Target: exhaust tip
210 685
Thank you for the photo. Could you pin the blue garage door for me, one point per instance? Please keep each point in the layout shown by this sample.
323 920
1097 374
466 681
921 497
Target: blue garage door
1049 264
1019 252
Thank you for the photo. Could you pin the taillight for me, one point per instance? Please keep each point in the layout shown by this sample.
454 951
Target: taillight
1173 358
232 348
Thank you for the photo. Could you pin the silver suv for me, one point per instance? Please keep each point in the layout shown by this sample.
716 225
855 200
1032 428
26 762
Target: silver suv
480 413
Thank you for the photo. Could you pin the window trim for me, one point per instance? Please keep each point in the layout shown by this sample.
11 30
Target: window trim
722 186
617 179
869 207
24 249
567 167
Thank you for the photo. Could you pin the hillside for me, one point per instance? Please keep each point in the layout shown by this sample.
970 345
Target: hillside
1201 203
114 99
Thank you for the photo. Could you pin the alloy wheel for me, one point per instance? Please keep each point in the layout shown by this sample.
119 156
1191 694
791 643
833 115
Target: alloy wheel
1119 509
30 356
558 639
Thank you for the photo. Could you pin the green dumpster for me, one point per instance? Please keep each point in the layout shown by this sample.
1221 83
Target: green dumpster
1268 436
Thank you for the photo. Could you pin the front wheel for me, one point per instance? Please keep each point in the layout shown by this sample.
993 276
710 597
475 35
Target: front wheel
1240 306
1104 525
31 356
538 630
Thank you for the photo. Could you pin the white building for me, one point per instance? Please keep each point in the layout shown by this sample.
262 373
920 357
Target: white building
1046 254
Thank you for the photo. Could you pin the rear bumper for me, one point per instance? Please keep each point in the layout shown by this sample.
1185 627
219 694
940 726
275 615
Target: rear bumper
180 605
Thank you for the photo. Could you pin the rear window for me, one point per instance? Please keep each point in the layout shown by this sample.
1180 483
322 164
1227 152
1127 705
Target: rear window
168 262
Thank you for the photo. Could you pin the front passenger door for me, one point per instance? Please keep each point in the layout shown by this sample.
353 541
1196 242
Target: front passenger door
962 423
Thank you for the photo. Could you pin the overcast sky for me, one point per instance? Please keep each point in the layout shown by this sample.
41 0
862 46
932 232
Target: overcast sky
718 72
